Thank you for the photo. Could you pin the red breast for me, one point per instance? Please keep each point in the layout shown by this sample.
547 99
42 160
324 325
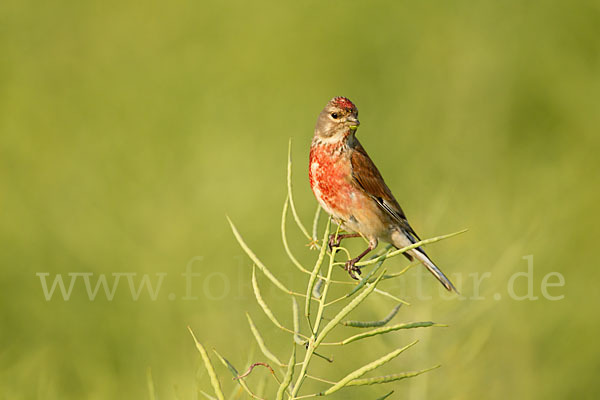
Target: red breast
330 175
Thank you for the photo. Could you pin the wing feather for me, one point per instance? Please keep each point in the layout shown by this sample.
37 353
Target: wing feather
368 177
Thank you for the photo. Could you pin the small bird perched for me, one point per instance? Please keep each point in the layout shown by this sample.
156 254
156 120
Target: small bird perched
350 188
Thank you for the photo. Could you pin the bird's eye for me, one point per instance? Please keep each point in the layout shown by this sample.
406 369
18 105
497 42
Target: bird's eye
334 115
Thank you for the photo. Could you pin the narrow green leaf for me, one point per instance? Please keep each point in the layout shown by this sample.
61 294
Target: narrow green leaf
315 271
386 329
209 397
384 250
291 196
405 249
367 368
391 296
323 298
227 364
385 396
254 258
365 280
328 359
261 343
261 301
372 324
346 310
388 378
296 316
285 242
289 374
235 374
402 271
318 289
316 223
209 368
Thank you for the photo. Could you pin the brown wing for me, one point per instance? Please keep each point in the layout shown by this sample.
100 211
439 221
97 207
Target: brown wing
368 177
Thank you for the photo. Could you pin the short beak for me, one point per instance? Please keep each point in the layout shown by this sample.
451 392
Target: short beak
353 122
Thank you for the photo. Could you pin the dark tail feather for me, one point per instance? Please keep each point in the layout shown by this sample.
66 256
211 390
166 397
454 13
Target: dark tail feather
421 256
402 238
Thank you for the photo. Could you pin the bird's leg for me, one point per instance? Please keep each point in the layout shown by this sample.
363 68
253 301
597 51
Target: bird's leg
335 240
351 264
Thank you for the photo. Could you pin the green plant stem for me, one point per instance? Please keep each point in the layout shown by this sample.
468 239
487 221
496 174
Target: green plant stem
313 276
319 317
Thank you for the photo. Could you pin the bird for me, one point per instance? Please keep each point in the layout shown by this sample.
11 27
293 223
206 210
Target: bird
350 188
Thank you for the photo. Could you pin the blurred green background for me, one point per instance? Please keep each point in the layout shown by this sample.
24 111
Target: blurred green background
128 130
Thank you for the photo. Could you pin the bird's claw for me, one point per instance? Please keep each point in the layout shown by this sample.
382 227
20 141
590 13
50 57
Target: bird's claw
352 269
334 241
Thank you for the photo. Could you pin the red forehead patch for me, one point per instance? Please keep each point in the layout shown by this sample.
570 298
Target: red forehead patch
343 102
